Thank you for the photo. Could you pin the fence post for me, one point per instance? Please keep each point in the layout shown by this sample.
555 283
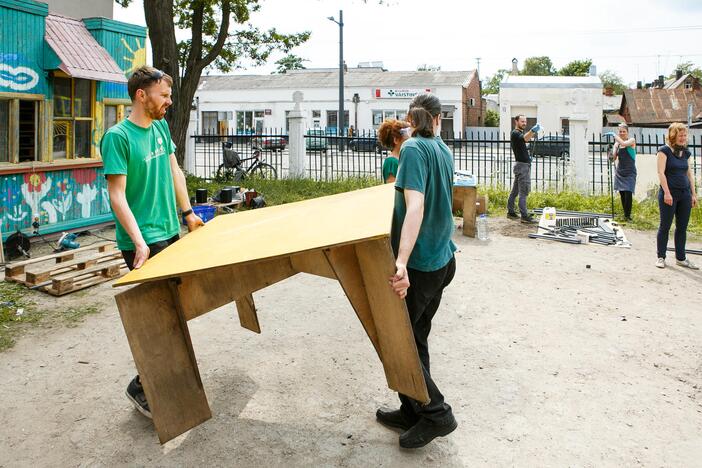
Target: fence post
190 157
297 139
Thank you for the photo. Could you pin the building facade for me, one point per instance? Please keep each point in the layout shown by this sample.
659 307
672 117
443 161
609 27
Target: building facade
255 104
63 83
551 101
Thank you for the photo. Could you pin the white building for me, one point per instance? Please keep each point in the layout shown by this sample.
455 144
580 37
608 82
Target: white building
258 103
551 101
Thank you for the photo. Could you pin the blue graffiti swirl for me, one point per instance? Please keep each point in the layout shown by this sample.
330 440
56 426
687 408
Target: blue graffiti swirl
20 78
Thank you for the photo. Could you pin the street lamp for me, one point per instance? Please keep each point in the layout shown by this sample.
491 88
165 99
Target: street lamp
340 116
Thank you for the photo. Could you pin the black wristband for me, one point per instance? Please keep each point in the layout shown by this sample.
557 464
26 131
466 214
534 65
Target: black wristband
187 212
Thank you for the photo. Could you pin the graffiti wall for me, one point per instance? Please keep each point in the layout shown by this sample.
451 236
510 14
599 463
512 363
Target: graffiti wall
22 49
59 199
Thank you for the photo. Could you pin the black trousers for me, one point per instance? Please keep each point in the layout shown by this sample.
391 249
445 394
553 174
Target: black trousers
154 248
627 201
682 206
423 299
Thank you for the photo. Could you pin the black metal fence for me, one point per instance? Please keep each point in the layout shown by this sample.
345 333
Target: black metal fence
489 159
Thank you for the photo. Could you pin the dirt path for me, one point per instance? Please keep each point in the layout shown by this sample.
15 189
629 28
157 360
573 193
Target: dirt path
546 363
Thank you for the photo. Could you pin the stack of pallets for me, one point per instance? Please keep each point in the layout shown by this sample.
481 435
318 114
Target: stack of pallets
65 272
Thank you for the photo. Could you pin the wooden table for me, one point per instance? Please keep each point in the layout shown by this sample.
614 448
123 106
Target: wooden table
343 237
464 199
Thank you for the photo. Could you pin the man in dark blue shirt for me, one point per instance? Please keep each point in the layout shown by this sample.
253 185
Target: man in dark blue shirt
522 168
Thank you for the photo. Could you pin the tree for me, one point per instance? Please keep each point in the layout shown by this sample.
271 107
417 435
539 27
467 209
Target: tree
492 118
425 67
212 43
492 84
289 62
612 80
688 67
576 68
538 66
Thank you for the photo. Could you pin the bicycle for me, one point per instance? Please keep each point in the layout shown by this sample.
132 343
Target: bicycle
231 167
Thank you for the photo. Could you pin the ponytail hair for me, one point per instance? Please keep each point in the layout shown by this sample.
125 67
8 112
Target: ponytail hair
422 111
422 122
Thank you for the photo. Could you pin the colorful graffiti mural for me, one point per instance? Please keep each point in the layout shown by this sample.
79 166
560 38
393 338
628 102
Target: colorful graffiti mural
17 73
52 197
137 57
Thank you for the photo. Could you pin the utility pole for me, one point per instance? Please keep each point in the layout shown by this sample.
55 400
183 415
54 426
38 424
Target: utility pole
340 117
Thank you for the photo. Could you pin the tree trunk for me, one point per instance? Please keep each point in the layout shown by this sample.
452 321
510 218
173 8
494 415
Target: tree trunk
159 19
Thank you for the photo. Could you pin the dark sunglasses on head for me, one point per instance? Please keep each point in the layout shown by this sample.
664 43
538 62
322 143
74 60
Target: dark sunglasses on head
155 75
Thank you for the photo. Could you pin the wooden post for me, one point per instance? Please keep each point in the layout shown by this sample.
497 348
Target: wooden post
469 212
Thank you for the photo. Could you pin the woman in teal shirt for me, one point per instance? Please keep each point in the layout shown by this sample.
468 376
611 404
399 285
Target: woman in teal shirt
391 134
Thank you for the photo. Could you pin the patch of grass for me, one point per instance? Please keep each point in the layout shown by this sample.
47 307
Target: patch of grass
13 298
75 315
644 214
281 191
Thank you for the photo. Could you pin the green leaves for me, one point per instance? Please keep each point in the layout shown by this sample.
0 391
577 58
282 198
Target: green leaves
576 68
290 62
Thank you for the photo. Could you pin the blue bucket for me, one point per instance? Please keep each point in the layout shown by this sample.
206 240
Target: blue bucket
205 212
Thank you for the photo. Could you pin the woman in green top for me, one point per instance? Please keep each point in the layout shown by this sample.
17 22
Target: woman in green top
391 134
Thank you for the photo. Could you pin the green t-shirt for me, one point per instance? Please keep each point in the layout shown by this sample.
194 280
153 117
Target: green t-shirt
390 167
426 165
143 155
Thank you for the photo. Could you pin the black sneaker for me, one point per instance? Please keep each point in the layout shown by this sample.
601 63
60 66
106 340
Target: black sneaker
425 431
512 215
135 393
394 419
529 220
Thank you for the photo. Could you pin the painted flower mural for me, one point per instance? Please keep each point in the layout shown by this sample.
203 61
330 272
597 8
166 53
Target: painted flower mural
87 192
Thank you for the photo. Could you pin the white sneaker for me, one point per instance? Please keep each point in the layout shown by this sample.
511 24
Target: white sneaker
660 263
687 264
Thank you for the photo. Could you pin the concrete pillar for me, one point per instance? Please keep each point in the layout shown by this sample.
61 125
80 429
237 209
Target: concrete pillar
296 139
578 176
189 163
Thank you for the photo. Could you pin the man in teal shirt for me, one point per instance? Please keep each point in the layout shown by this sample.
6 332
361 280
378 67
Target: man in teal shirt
421 238
145 182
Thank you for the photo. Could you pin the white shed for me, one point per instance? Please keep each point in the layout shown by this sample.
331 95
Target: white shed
551 101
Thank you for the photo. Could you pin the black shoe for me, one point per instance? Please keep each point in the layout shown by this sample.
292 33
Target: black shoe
425 431
529 220
394 419
135 393
512 215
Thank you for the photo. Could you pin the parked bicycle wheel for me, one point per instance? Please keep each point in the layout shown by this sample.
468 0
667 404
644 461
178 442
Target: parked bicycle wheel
224 173
264 171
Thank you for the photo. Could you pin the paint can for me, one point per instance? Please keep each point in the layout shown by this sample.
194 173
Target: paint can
201 195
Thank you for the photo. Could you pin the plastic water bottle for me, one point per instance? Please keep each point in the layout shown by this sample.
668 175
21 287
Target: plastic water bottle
482 227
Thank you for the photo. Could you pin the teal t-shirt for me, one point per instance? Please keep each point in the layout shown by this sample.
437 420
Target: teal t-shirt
390 167
143 155
426 165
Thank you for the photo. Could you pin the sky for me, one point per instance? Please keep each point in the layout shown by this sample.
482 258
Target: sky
636 39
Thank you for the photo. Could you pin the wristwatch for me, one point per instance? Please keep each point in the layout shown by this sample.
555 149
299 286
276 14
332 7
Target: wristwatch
187 212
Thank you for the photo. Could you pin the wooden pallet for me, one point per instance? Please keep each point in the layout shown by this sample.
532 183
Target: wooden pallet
62 273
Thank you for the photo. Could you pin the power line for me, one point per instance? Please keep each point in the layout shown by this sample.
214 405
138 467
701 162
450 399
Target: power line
618 31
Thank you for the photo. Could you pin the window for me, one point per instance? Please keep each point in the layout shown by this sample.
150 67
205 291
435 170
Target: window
110 118
316 114
379 116
209 122
28 126
73 118
471 102
688 85
4 131
565 126
331 118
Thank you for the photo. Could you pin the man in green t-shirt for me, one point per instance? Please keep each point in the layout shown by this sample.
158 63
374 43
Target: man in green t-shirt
421 238
144 181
